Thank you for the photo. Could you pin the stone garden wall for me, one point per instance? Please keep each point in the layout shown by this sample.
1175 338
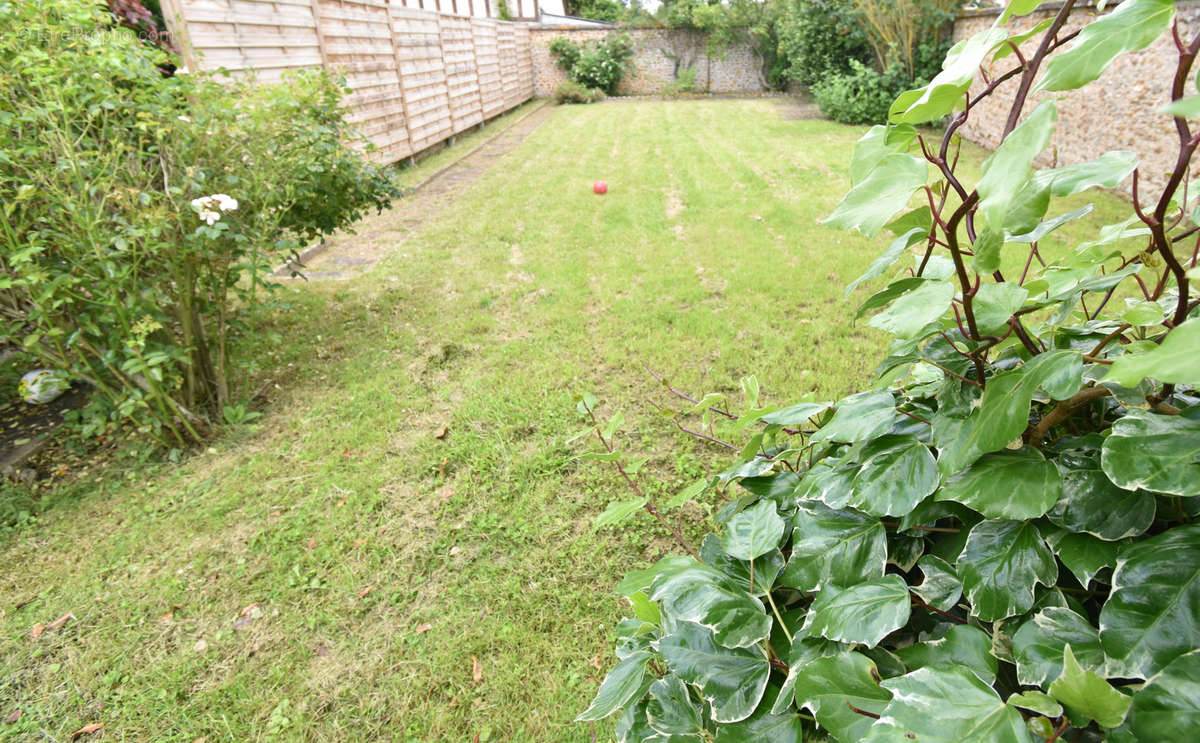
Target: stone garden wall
736 71
1117 112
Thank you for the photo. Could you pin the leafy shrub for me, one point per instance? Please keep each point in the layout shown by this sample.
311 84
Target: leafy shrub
572 92
684 83
861 96
996 542
142 212
600 65
821 38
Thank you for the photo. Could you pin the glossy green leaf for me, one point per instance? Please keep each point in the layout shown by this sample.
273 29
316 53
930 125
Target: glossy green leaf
1107 171
1167 708
766 567
1187 108
1016 8
962 645
830 481
1036 701
732 680
1026 209
619 511
863 613
1175 360
1039 641
631 726
1086 694
1011 165
1142 314
1003 413
886 295
950 705
896 473
1006 485
753 532
670 709
1083 554
620 686
909 314
945 91
870 204
1134 25
1153 452
941 588
1001 564
889 257
860 417
1153 613
764 726
645 609
1050 225
795 415
1091 504
829 686
842 546
640 580
876 145
988 246
995 303
701 594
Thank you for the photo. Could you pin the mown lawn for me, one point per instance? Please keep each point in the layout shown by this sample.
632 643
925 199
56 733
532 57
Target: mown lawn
338 571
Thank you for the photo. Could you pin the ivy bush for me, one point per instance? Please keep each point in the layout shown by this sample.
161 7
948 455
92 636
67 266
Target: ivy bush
995 542
142 211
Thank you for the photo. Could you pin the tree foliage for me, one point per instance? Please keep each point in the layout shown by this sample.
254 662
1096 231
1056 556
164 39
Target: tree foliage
997 541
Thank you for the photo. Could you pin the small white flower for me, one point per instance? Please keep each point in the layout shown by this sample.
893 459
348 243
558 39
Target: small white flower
183 118
210 217
225 202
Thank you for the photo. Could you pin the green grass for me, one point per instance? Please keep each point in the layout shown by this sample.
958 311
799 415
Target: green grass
705 262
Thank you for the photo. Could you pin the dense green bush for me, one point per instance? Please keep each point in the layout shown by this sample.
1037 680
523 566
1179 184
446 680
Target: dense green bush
142 211
861 96
572 92
820 39
597 65
997 542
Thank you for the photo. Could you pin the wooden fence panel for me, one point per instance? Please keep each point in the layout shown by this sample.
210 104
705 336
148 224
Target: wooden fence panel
458 53
417 76
244 35
524 64
506 40
487 61
356 39
417 40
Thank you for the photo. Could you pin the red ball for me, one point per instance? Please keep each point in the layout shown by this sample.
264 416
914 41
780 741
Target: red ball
600 187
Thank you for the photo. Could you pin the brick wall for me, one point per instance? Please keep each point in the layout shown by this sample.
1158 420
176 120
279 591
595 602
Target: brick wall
1116 112
734 72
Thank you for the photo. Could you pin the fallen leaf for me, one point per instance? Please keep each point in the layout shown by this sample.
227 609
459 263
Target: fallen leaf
250 609
312 543
363 593
455 550
200 646
322 651
424 627
58 623
441 432
16 715
341 503
170 615
476 670
86 730
22 604
37 631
